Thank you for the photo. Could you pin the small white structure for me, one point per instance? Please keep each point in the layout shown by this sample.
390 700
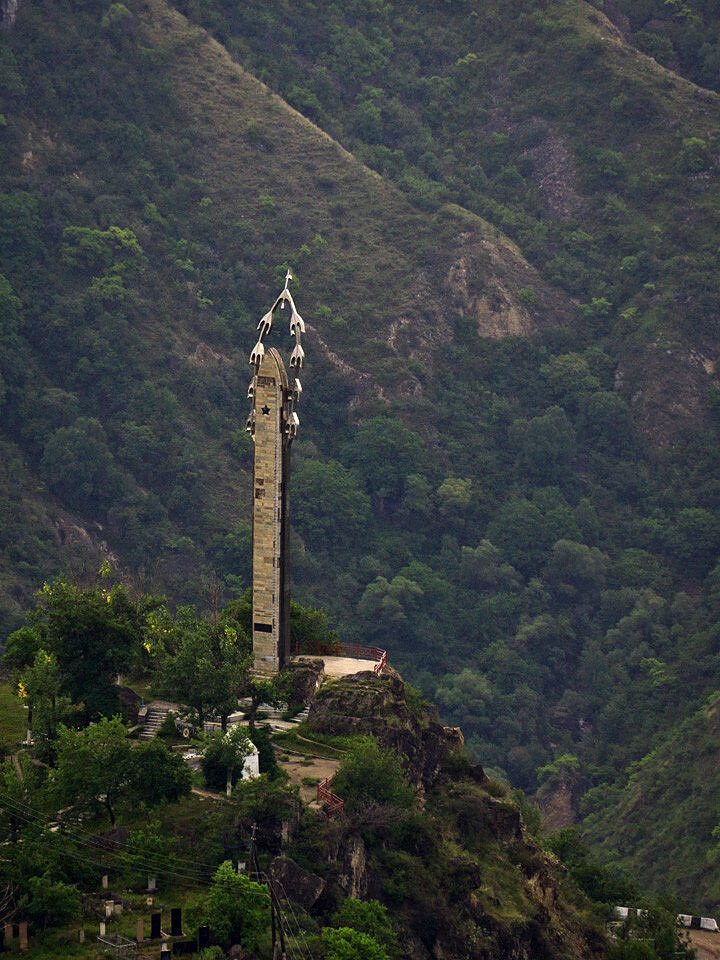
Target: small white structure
251 767
686 919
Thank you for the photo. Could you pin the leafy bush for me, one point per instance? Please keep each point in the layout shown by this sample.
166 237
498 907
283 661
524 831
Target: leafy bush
371 774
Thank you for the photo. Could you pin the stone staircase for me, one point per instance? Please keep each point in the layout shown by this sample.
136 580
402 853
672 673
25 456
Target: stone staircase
154 717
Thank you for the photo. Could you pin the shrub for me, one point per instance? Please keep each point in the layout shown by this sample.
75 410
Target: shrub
371 774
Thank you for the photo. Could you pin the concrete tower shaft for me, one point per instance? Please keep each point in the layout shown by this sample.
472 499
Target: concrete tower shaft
270 519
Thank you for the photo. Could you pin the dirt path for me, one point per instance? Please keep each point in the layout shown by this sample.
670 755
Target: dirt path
315 768
18 767
707 944
209 795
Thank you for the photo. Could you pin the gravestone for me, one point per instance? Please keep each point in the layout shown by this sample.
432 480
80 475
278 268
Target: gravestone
23 937
102 928
81 935
151 884
140 931
118 908
176 922
203 938
109 906
105 881
156 925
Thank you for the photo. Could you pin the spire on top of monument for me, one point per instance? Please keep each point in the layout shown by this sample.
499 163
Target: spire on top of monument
297 328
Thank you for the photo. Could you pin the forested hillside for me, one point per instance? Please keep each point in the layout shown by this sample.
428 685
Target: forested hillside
503 222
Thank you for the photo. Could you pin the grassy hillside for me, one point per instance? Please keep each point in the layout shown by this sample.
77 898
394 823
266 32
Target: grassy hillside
503 223
679 851
540 117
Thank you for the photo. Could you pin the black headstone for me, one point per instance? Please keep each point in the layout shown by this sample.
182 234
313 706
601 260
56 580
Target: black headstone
156 925
2 939
176 922
203 938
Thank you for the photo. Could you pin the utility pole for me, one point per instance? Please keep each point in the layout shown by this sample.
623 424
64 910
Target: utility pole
279 951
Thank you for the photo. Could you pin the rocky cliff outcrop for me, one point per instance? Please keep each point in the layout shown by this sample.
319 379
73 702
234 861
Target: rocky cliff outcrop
457 871
8 12
376 706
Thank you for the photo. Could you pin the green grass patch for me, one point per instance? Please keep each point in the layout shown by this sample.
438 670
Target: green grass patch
13 717
308 742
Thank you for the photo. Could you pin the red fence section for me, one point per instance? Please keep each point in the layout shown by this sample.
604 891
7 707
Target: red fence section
336 648
329 800
380 665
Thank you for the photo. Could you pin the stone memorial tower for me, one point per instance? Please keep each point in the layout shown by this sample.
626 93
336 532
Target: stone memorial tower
273 425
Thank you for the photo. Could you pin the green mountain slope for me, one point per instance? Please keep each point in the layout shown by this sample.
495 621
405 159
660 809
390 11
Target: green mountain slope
679 851
506 472
216 200
540 117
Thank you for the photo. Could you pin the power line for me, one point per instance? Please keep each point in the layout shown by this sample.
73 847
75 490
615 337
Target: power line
25 811
189 874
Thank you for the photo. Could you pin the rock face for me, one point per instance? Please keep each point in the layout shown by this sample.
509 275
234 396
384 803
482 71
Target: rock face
8 12
302 886
457 871
368 704
305 674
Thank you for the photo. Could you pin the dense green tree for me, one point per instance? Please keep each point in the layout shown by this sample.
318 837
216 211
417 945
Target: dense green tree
237 909
39 686
201 665
330 511
147 845
79 466
50 903
545 445
224 756
384 453
344 943
370 774
694 540
94 767
99 768
370 917
605 423
386 607
92 634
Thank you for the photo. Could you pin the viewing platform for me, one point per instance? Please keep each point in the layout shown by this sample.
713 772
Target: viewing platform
344 659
